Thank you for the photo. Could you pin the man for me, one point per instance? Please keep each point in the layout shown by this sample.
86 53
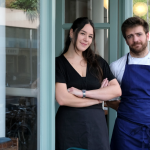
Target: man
132 126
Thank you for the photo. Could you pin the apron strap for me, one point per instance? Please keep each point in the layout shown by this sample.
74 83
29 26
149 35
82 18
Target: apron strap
127 59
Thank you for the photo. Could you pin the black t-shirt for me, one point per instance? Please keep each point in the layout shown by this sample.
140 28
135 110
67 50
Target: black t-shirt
65 73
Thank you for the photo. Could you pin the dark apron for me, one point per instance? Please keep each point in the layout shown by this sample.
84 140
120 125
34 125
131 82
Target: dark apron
132 126
81 128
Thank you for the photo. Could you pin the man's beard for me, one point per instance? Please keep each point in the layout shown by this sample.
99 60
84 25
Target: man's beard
138 51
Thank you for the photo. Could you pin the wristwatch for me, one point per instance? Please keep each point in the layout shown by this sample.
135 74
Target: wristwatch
84 93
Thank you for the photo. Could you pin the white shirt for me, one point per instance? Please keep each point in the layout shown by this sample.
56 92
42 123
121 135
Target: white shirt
117 67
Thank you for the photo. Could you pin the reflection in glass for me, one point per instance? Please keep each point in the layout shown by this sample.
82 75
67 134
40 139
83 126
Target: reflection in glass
22 57
96 10
21 121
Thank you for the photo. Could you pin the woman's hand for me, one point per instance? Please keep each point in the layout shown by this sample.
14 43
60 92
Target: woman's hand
75 92
104 83
64 98
79 93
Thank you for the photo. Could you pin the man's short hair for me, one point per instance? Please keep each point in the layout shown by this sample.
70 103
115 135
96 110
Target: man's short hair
133 22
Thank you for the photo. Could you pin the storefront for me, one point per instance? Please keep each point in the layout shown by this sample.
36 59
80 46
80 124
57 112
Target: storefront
31 38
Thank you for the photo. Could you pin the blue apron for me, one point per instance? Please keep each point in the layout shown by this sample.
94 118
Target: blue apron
132 126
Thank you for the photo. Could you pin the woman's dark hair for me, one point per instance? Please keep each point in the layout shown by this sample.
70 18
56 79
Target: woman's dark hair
89 55
134 22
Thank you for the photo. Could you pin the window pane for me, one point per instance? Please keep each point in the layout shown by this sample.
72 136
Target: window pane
21 57
22 74
96 10
102 43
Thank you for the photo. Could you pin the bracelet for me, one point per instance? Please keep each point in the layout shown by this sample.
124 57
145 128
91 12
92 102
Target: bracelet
84 93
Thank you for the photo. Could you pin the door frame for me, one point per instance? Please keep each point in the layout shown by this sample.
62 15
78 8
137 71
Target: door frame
47 75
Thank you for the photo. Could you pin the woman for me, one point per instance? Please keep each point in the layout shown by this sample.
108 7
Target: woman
80 120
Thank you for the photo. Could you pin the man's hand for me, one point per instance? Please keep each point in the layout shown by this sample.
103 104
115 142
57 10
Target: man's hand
113 104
